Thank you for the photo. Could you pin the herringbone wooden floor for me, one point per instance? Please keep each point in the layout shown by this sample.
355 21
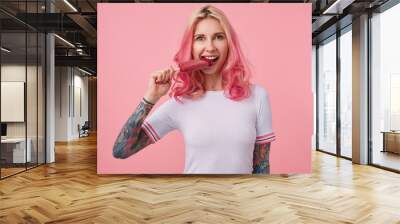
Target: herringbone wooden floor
70 191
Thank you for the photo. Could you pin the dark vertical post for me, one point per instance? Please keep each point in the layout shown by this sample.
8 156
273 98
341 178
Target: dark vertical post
338 81
369 90
0 97
37 89
45 87
26 86
317 95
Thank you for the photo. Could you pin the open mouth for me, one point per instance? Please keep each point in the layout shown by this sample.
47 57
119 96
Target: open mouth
210 59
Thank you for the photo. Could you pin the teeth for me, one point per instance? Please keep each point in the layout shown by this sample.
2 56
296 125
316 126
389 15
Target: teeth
211 57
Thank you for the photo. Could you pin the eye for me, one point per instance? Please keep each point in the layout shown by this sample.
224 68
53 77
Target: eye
199 38
220 37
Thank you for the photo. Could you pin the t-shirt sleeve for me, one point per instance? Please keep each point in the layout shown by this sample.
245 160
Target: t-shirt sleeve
161 121
264 132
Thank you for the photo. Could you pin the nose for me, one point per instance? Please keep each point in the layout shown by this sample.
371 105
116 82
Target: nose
210 46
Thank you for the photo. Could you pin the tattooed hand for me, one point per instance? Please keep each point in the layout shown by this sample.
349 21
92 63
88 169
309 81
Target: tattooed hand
159 84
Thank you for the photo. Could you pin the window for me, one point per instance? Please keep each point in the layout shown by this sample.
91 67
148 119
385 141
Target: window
385 88
327 95
346 93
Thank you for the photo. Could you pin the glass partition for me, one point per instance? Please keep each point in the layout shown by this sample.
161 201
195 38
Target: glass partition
41 87
22 88
346 93
31 100
327 95
13 109
385 89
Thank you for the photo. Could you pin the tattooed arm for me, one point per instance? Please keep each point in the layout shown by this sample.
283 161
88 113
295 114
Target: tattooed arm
132 138
261 158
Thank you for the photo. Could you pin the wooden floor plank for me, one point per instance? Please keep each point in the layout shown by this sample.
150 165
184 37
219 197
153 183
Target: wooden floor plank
70 191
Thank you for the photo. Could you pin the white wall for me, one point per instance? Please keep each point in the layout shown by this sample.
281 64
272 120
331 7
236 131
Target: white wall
62 78
71 93
314 92
79 112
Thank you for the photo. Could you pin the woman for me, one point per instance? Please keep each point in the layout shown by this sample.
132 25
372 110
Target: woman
225 120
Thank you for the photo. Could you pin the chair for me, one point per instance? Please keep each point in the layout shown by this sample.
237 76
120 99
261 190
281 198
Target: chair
84 130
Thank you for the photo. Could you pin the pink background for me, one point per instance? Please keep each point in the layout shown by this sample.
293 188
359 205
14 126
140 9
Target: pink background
136 39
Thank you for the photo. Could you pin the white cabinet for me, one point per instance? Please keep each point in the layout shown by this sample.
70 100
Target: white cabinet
18 149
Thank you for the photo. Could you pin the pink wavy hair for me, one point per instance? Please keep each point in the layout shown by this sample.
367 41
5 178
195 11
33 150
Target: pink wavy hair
235 72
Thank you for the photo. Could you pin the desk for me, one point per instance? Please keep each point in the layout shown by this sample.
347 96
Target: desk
15 148
391 141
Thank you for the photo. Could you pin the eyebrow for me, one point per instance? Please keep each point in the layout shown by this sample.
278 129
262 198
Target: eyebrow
219 33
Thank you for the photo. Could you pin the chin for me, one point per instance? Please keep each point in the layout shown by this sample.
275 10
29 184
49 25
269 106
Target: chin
211 72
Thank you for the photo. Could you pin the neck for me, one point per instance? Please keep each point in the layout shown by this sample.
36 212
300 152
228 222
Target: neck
213 82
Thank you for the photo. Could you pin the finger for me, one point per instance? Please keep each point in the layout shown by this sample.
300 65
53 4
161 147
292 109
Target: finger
155 74
164 77
159 78
175 68
171 74
168 77
172 69
154 78
167 74
174 72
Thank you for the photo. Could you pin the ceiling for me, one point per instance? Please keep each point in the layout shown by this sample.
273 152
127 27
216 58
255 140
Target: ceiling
76 22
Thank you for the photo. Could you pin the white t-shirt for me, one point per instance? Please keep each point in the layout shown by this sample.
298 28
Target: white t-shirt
219 133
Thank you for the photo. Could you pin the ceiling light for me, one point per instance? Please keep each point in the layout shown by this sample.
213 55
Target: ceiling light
329 9
338 6
5 50
64 40
70 5
84 71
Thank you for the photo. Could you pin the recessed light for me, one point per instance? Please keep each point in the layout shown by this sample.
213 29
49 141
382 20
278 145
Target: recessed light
86 72
64 40
337 7
5 50
70 5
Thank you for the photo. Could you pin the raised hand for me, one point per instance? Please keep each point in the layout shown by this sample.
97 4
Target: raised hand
159 84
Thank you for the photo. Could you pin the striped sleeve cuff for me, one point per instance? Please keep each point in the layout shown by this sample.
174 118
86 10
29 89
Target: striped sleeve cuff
150 131
265 138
